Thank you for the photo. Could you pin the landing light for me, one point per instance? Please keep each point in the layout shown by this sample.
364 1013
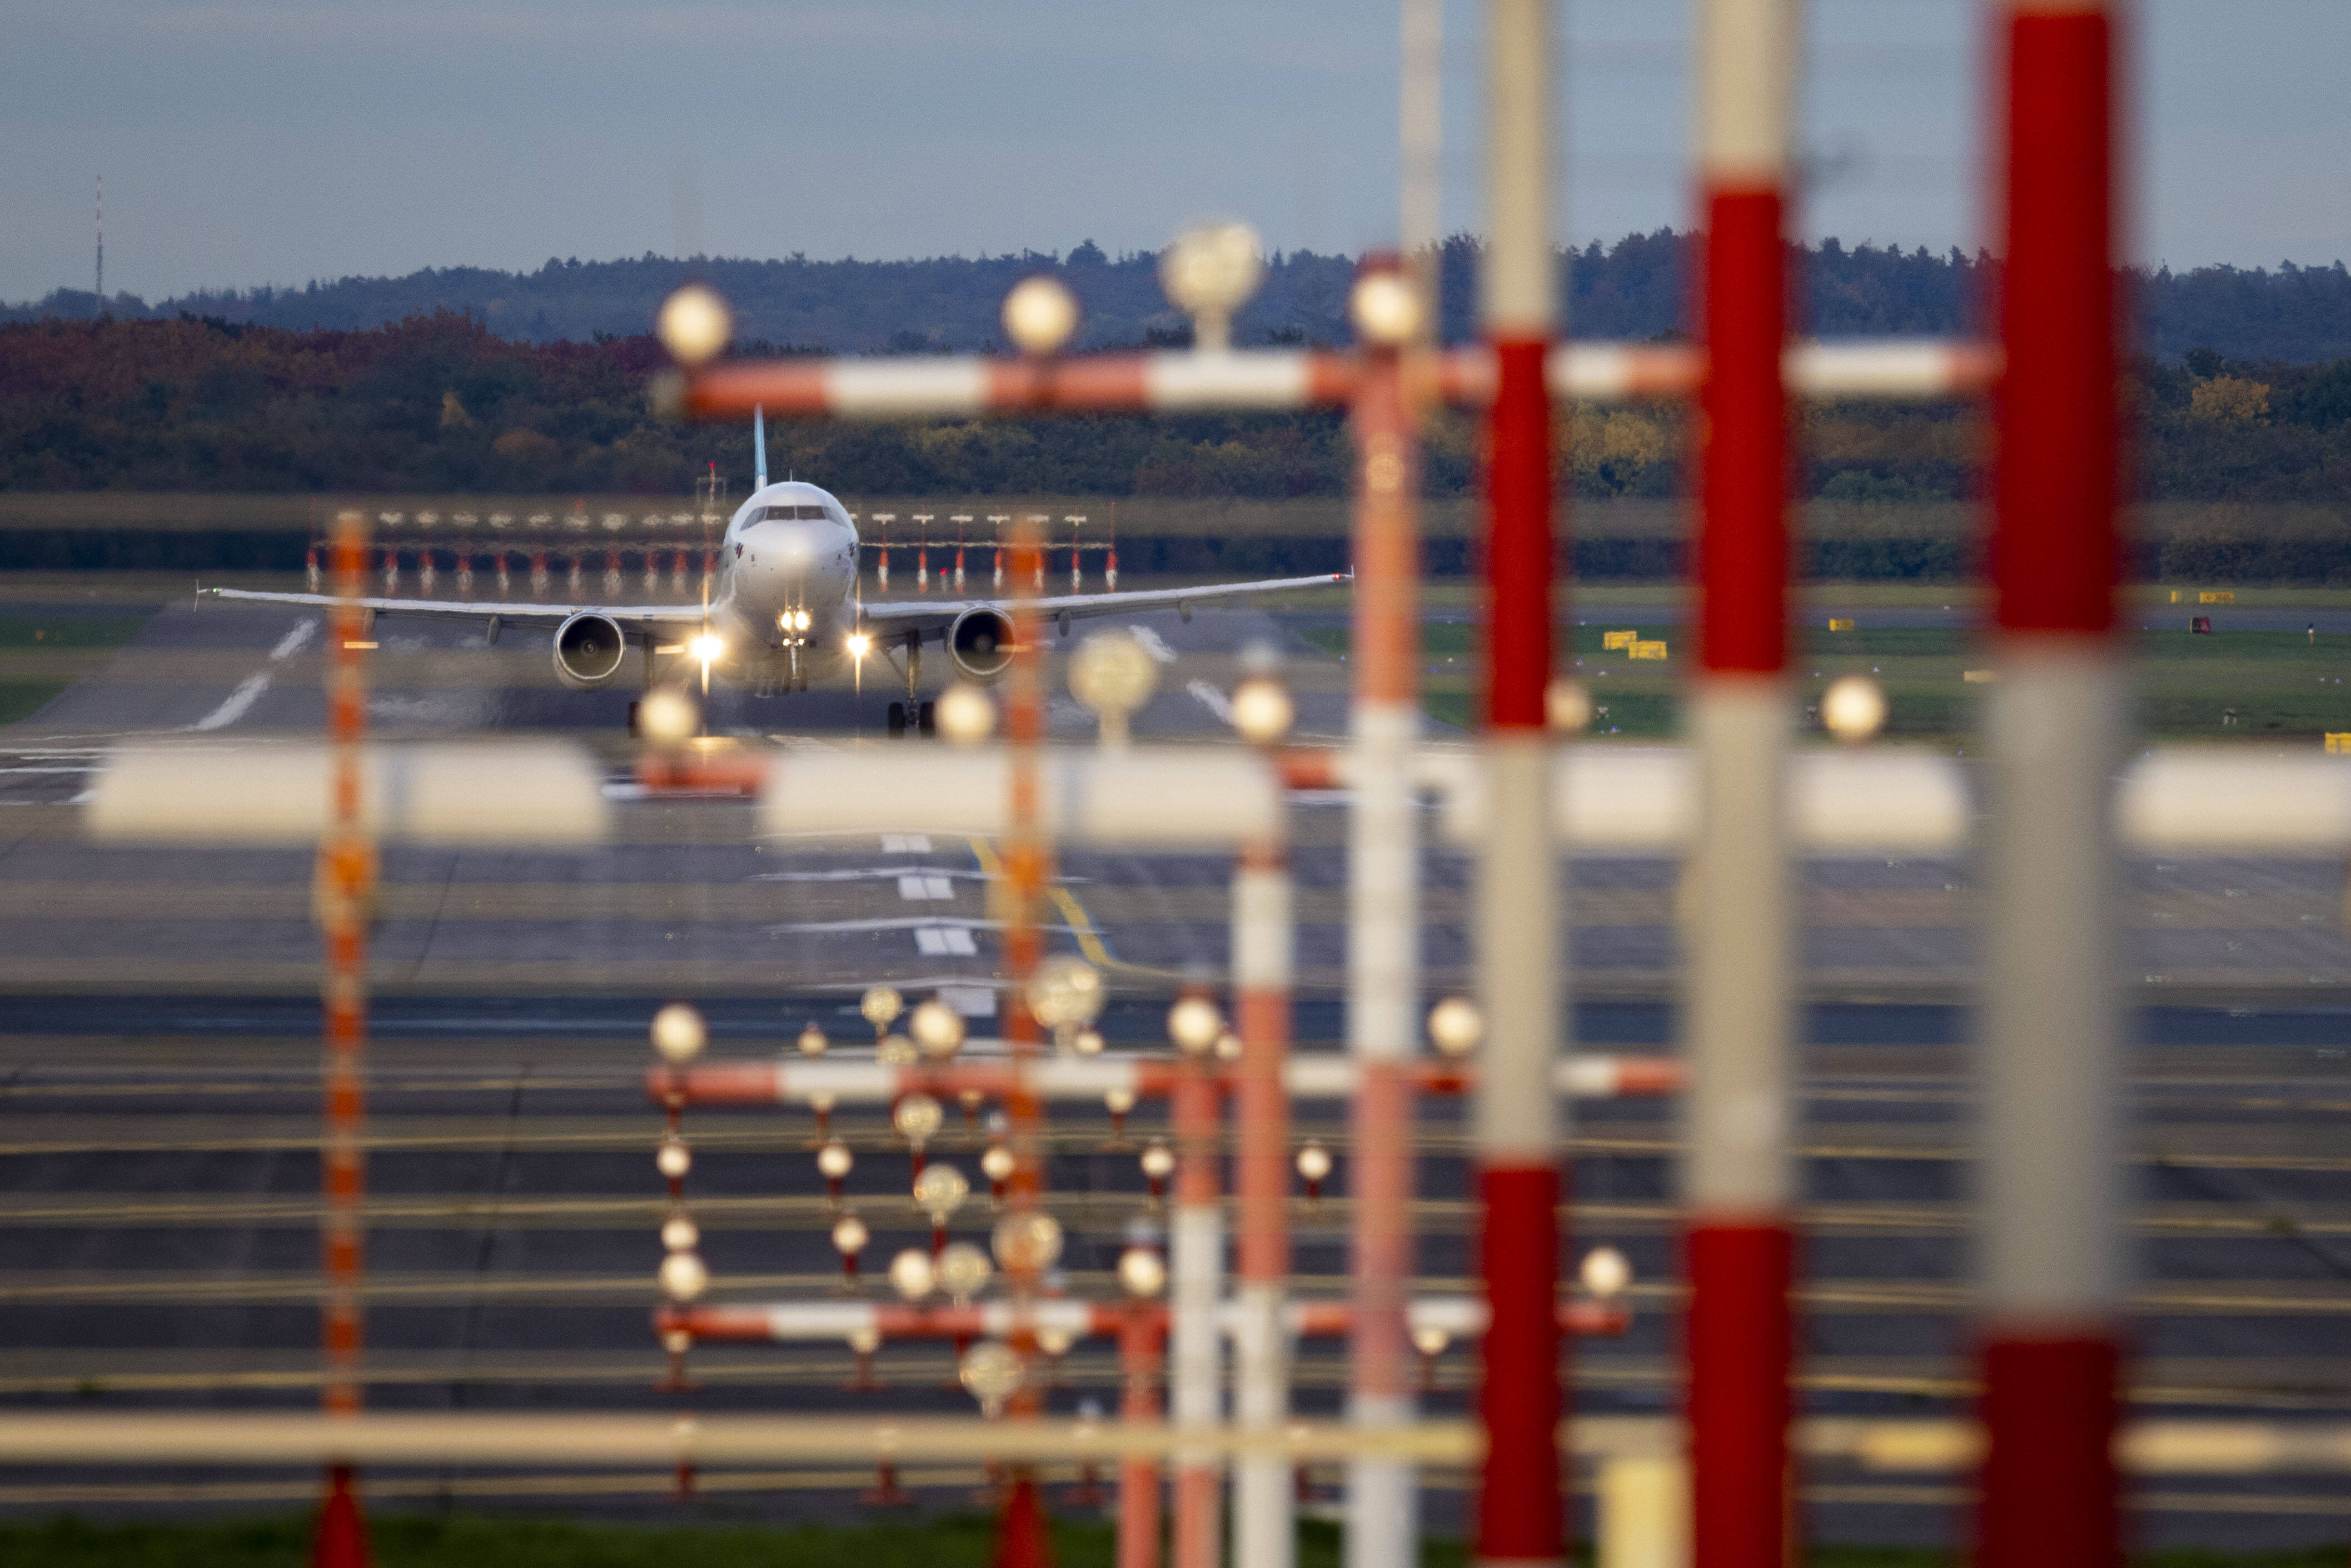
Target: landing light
693 324
860 644
707 646
1854 708
1040 315
1384 309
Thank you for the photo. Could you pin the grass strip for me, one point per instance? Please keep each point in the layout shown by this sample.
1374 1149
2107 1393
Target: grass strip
64 632
477 1540
2233 685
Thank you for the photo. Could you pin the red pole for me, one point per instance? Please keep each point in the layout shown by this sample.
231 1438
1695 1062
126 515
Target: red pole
1738 1246
2051 1252
347 871
1521 1512
1138 1474
1028 872
1264 1515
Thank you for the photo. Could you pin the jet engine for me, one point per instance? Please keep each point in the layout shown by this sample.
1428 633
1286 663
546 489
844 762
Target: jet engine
979 641
588 649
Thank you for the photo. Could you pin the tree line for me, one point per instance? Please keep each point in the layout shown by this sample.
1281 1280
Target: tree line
440 403
1636 287
443 403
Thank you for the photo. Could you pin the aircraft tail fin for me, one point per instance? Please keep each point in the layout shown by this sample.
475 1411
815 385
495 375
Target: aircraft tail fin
758 447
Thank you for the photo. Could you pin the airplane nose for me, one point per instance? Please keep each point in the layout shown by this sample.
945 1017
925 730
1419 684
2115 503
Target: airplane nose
782 550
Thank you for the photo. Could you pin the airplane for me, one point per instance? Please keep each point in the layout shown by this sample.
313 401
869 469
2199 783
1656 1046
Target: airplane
788 610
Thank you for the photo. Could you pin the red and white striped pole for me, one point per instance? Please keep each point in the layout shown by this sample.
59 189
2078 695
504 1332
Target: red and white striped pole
2047 1157
1196 1250
1520 960
1738 999
1264 1502
1382 925
1021 1540
347 873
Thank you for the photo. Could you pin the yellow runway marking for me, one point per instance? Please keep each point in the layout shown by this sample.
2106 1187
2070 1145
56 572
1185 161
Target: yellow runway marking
1081 925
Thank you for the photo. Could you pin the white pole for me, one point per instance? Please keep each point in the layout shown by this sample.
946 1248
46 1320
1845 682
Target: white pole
1196 1242
1382 955
1264 1506
1421 123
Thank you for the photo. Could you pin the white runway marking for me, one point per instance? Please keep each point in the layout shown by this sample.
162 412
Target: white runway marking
914 888
239 703
946 940
1215 701
971 1001
905 844
893 922
444 710
295 640
1153 644
856 873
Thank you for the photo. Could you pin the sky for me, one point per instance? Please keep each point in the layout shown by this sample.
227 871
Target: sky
273 142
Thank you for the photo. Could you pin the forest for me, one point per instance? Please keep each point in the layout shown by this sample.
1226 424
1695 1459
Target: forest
1635 288
443 403
2247 460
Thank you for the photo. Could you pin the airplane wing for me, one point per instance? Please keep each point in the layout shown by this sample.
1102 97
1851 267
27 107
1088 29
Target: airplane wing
932 617
634 615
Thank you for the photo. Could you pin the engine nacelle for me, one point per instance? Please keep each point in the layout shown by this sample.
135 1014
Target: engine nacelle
979 642
588 650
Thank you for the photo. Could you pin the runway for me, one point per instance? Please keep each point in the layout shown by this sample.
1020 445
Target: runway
688 900
158 1180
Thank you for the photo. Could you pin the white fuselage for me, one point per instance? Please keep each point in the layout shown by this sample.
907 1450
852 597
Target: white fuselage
786 603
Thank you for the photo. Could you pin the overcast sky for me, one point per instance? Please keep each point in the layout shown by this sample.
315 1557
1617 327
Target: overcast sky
249 141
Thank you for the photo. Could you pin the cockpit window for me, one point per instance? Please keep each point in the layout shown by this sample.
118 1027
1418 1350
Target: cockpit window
800 513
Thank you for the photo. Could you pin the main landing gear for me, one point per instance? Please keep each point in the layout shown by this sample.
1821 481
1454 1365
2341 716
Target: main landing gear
912 710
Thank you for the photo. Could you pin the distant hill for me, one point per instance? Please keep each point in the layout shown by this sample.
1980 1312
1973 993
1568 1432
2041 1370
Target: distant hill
1632 290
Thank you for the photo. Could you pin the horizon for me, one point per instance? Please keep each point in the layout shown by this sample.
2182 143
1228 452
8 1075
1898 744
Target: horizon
1060 258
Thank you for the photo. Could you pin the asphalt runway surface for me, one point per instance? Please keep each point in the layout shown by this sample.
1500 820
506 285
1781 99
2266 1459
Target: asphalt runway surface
158 1064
